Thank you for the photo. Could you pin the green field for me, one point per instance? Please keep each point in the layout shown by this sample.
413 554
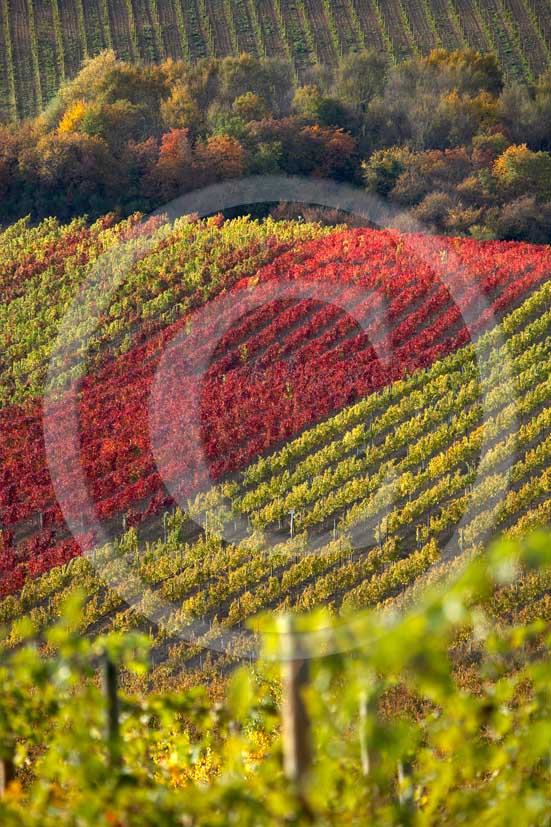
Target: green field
43 42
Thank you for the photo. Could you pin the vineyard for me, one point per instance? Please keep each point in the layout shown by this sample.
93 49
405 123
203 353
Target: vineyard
43 42
430 432
275 413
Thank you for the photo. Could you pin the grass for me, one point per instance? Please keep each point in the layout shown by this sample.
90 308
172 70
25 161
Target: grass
34 54
82 26
384 30
182 31
257 28
12 95
536 26
106 24
407 27
157 30
356 24
206 25
134 42
456 22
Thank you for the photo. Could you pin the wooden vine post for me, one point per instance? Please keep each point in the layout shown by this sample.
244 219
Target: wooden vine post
7 772
111 695
405 786
364 749
297 754
292 514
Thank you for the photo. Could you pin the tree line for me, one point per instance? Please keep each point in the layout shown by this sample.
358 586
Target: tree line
444 136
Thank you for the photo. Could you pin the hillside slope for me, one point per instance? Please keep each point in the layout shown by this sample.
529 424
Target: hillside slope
391 493
43 42
389 466
262 383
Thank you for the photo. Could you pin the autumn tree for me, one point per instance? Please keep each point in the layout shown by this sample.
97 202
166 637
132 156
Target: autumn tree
381 172
306 101
115 123
250 107
180 110
328 153
270 78
218 158
467 70
310 104
464 116
172 173
70 173
72 118
526 112
142 191
307 150
520 171
84 87
524 219
144 86
359 79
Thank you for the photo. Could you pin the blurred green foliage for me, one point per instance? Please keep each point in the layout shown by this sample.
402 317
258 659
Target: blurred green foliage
474 744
